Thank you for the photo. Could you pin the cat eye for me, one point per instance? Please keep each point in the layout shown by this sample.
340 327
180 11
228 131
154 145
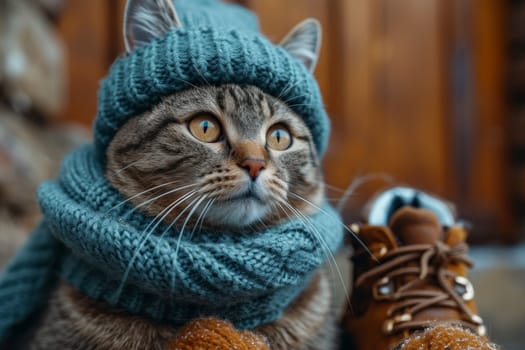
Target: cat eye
278 137
205 128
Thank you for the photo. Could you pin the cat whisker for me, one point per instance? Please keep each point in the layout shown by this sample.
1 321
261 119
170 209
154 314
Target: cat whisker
359 181
116 172
199 88
260 221
345 227
287 101
159 218
170 208
172 223
286 215
180 200
201 75
318 236
277 205
206 210
333 199
140 193
147 233
193 85
285 90
158 197
201 216
183 227
298 105
306 220
331 187
193 207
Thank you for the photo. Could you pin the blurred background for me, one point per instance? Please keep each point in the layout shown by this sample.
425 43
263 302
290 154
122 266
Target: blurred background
428 93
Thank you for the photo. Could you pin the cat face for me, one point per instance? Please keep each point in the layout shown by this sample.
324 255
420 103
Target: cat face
221 156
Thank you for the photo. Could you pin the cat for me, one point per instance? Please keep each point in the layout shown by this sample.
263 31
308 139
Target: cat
147 152
228 157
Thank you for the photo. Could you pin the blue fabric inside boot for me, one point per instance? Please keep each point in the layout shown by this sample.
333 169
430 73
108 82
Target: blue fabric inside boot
388 202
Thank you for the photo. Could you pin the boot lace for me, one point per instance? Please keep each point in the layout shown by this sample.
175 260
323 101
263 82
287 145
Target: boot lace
431 261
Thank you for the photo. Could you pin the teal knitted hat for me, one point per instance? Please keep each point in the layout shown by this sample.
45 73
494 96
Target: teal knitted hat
217 43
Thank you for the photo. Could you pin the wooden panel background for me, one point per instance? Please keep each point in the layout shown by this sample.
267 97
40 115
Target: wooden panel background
84 28
413 87
389 95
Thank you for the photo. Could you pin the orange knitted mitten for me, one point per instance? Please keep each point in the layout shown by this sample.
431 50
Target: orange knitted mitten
444 336
212 333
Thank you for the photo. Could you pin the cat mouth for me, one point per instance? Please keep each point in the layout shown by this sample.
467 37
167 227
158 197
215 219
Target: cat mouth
246 195
241 209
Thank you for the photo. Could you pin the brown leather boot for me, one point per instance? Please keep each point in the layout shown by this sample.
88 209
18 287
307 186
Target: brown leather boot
412 273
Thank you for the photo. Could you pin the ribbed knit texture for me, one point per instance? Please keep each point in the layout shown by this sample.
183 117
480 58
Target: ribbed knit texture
214 46
246 278
27 280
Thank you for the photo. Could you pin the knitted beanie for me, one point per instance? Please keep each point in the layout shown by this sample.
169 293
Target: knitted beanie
217 43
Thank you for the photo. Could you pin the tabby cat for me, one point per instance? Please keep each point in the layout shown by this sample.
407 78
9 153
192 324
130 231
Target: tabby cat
228 157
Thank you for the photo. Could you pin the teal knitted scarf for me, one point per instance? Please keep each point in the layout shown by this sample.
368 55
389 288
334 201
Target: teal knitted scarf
99 245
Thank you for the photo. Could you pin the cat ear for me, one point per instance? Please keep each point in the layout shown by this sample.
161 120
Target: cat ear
145 20
304 42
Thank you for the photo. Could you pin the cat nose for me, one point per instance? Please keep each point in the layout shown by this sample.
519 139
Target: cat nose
253 166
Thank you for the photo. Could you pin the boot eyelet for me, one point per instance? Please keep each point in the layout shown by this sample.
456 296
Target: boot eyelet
380 252
476 319
388 326
384 287
403 318
464 288
482 330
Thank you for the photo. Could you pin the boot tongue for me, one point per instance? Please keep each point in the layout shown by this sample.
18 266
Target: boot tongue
415 226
